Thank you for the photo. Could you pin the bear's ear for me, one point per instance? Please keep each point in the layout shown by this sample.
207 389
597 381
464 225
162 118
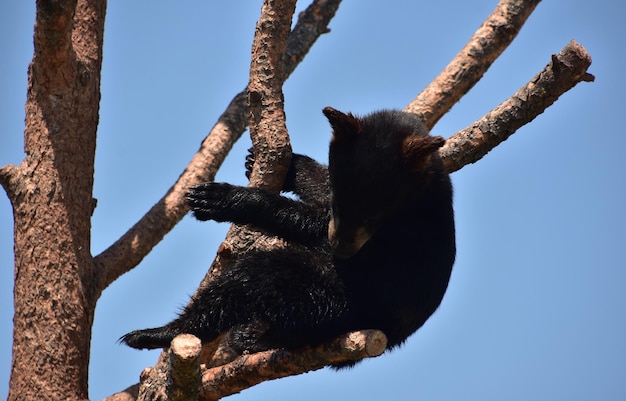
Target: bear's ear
345 126
417 149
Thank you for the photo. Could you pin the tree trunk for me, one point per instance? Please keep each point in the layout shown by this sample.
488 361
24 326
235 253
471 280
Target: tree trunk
51 193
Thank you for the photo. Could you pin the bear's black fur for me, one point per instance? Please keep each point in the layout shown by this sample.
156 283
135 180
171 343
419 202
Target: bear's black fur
373 243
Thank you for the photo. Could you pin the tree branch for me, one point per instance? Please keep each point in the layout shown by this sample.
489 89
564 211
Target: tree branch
253 369
564 71
470 64
312 23
268 129
137 242
249 370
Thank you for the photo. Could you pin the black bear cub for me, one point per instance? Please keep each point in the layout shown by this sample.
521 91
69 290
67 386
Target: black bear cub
373 243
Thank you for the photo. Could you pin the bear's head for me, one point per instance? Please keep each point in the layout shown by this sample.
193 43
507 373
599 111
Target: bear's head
378 164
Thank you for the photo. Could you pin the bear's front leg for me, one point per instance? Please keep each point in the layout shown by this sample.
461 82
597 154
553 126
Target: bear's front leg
220 201
286 218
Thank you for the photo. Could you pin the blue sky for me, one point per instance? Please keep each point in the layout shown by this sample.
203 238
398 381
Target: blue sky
535 306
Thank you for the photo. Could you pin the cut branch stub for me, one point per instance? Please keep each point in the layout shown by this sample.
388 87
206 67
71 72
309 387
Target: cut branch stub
183 379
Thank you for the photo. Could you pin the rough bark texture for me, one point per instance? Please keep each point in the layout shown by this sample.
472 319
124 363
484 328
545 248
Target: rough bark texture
268 129
52 205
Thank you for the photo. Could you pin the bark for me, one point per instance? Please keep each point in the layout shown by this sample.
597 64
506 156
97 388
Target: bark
268 129
52 204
